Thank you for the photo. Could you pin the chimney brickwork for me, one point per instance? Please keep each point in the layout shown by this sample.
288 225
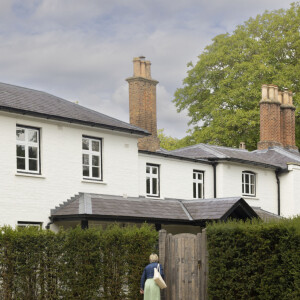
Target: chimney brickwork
142 103
277 118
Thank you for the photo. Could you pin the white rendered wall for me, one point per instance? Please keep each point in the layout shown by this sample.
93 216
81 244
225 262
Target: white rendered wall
229 184
30 198
176 177
290 191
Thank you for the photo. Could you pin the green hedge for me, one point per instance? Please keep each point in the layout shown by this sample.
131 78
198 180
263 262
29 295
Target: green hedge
254 260
74 264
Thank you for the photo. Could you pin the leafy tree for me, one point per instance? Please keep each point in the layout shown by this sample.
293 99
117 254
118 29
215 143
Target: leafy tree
222 91
170 143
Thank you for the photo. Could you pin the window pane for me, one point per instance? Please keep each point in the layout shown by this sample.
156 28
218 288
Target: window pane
252 179
95 146
247 178
199 176
154 170
85 144
243 189
95 171
33 152
95 160
86 171
21 163
32 136
147 169
85 159
194 175
148 185
21 134
199 190
247 189
194 190
20 150
154 186
252 189
33 165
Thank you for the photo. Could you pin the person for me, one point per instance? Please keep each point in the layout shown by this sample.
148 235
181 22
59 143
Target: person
149 288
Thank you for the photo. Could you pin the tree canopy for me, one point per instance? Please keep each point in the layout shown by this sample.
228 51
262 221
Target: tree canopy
222 91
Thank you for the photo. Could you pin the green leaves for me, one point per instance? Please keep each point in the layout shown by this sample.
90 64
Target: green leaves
254 260
222 91
74 264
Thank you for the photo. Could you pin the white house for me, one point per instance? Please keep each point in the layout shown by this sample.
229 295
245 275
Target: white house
64 164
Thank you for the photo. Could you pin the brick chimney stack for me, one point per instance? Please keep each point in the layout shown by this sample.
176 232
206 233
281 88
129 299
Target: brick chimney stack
142 103
277 118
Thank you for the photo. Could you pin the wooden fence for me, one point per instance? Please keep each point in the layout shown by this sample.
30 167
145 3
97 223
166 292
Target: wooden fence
185 261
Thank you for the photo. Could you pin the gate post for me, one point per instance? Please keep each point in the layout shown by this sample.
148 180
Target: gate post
162 255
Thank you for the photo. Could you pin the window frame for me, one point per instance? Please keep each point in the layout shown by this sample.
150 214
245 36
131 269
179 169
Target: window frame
157 176
27 145
197 182
24 224
90 153
249 184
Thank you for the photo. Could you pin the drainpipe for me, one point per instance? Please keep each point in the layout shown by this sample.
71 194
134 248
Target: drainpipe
278 190
48 225
215 178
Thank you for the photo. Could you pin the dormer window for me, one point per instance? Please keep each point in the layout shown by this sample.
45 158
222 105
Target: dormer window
248 183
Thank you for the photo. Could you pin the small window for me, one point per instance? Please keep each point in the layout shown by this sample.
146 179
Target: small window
152 180
198 184
23 224
91 158
248 183
28 149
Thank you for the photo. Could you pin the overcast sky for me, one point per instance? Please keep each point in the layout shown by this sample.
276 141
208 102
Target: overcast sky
82 50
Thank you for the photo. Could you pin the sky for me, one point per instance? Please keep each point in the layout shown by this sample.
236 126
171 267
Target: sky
82 50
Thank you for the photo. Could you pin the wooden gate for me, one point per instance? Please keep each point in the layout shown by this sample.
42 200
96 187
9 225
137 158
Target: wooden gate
185 261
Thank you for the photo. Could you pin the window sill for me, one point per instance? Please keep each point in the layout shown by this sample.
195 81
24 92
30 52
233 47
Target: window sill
30 175
154 197
93 181
247 197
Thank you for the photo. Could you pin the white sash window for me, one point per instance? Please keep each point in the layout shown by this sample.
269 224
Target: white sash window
198 184
248 183
152 180
28 149
91 158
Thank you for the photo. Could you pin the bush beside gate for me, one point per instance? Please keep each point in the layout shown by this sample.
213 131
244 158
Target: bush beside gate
74 264
254 260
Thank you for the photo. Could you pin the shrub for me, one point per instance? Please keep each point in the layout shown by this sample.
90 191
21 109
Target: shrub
254 260
74 264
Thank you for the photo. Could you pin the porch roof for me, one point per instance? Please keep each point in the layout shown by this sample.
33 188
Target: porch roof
141 209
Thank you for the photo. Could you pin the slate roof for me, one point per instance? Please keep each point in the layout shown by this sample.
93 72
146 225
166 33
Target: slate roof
99 206
274 157
40 104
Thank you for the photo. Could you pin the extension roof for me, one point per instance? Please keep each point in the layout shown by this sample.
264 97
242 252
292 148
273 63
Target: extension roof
275 157
141 209
40 104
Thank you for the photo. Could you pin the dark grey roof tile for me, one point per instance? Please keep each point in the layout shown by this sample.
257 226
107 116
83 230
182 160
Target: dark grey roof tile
23 100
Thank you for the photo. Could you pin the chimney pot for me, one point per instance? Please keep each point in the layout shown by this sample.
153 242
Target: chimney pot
280 96
271 92
264 92
290 98
242 145
286 97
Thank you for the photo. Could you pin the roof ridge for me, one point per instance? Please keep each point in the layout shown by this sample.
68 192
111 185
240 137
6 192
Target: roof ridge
286 153
214 151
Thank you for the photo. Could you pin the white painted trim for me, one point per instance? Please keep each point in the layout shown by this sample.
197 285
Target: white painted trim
30 175
93 181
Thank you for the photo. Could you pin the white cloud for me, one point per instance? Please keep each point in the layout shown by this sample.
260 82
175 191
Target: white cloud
83 50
